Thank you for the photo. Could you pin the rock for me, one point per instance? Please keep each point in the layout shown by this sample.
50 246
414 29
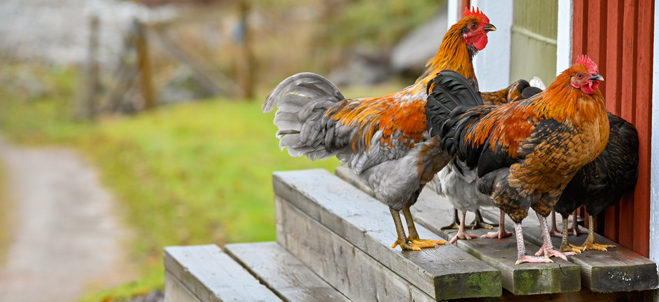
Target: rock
362 68
415 49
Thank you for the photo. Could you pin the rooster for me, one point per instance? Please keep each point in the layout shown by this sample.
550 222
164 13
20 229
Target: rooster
384 140
457 182
602 183
528 151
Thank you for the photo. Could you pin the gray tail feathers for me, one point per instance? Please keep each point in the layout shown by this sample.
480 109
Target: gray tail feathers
303 100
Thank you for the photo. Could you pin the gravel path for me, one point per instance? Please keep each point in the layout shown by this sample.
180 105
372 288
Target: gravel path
65 237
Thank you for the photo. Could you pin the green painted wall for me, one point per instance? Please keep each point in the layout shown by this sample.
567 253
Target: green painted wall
533 40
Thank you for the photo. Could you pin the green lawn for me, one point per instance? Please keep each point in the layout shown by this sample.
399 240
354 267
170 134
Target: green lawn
195 173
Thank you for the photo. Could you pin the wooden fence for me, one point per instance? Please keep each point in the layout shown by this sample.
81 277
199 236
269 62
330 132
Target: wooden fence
132 85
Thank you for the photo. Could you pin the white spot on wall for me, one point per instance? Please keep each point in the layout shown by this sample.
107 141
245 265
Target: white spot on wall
564 39
493 63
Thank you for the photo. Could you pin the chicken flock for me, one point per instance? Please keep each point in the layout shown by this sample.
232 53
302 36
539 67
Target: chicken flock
524 146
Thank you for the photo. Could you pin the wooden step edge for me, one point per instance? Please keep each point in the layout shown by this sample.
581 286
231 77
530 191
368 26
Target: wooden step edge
433 212
617 270
208 274
345 267
282 273
367 224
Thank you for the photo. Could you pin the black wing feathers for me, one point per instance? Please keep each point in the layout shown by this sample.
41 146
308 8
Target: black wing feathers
602 182
450 90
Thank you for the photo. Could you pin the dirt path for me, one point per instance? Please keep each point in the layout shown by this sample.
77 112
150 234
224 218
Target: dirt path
65 237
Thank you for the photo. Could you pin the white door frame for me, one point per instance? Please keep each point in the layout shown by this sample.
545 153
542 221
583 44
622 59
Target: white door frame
493 63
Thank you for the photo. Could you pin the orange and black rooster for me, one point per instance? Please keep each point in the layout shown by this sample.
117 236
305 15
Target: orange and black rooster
528 151
384 140
601 183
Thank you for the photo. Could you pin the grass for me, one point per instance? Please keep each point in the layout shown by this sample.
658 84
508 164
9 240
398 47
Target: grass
195 173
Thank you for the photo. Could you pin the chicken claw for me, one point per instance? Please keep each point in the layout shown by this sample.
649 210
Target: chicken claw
455 224
570 248
426 243
551 252
479 222
590 244
531 259
595 246
463 235
501 232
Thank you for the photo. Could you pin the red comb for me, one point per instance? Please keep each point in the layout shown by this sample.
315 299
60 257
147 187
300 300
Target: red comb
475 12
588 62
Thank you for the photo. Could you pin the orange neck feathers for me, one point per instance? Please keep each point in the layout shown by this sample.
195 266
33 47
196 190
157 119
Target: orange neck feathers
561 101
453 54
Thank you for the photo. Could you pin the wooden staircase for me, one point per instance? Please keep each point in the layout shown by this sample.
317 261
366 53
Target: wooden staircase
333 244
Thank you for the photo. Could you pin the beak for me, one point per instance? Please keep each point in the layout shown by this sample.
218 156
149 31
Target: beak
489 27
597 77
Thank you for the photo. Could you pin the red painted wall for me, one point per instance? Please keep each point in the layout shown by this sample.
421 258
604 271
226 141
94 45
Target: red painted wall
617 35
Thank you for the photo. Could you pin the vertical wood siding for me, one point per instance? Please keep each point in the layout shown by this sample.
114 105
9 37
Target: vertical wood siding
618 36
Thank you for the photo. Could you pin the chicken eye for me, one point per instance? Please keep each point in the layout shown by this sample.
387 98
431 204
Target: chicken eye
473 25
579 76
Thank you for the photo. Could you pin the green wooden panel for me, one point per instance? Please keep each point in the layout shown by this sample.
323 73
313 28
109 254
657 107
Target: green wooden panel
533 40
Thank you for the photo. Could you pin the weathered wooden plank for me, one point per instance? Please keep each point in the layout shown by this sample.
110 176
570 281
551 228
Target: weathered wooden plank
351 271
284 274
618 269
443 272
177 292
211 275
433 212
584 295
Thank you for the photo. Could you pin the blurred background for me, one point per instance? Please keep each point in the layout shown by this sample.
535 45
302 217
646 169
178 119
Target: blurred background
128 126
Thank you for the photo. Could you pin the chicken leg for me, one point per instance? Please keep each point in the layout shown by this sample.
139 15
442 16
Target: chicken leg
575 225
547 247
521 249
501 232
456 222
479 222
590 244
414 236
462 234
554 230
565 242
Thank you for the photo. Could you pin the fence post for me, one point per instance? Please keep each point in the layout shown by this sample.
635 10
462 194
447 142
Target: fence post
92 83
144 65
244 54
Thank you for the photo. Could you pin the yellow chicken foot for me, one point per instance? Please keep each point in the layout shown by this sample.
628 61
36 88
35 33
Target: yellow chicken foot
565 242
456 222
479 222
414 236
501 232
554 230
521 249
402 241
547 247
462 234
590 244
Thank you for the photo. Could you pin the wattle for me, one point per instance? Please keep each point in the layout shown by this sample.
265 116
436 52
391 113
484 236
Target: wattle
480 41
590 87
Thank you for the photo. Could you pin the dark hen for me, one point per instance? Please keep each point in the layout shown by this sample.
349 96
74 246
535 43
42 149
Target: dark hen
601 183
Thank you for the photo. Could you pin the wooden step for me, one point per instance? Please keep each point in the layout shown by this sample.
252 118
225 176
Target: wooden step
281 272
616 270
205 273
433 212
351 271
352 218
